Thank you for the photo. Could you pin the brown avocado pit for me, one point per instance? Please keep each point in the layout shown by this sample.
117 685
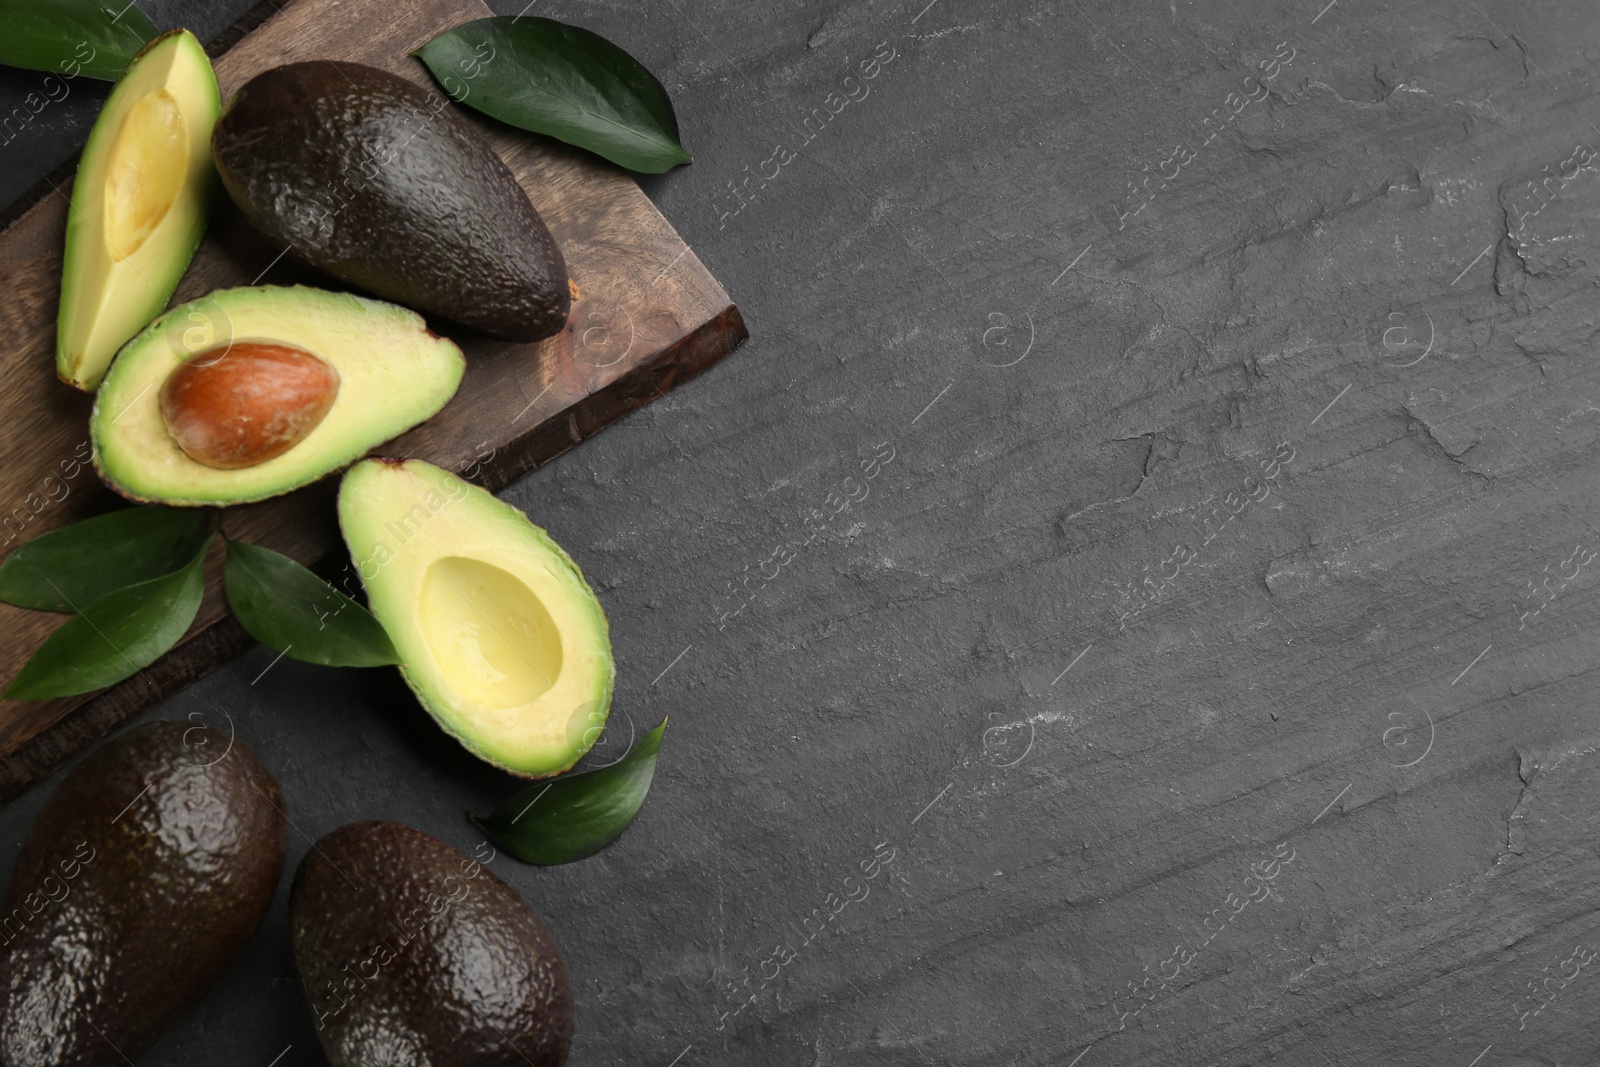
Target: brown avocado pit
245 403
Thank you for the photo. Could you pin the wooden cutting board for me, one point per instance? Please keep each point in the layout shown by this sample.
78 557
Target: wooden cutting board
648 316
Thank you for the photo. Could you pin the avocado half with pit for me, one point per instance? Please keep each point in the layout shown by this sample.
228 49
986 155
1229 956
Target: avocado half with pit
248 393
499 635
138 204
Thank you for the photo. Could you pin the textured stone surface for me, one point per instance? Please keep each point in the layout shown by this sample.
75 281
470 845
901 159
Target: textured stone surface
1259 532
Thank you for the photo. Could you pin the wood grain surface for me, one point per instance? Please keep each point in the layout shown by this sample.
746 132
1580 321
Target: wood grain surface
648 316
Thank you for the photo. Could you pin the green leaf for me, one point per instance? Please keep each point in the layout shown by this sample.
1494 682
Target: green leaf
94 37
66 569
575 816
116 636
286 607
576 86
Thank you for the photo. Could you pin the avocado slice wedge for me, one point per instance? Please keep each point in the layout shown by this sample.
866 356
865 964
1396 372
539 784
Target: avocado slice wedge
499 634
139 204
389 370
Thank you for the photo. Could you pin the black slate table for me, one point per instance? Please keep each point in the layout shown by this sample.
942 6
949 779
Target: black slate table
1132 601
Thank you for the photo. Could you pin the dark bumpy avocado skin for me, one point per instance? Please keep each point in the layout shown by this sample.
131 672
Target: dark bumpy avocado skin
367 179
145 875
413 955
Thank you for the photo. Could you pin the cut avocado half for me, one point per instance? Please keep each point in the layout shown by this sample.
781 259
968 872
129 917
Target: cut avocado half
499 634
138 204
390 372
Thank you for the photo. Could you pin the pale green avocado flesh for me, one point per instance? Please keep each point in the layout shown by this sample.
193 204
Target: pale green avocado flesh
393 373
499 634
139 204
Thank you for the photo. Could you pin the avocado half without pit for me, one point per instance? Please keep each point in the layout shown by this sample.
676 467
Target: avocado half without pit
499 635
373 179
138 204
251 392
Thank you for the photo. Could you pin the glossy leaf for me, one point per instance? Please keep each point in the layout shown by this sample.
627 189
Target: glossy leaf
97 38
114 637
541 75
66 569
286 607
577 815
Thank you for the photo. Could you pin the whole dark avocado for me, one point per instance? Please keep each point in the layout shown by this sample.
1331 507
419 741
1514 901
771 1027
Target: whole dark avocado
364 177
414 955
146 874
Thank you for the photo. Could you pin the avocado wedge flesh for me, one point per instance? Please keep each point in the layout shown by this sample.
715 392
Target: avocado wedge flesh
499 635
139 204
393 373
375 180
145 876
